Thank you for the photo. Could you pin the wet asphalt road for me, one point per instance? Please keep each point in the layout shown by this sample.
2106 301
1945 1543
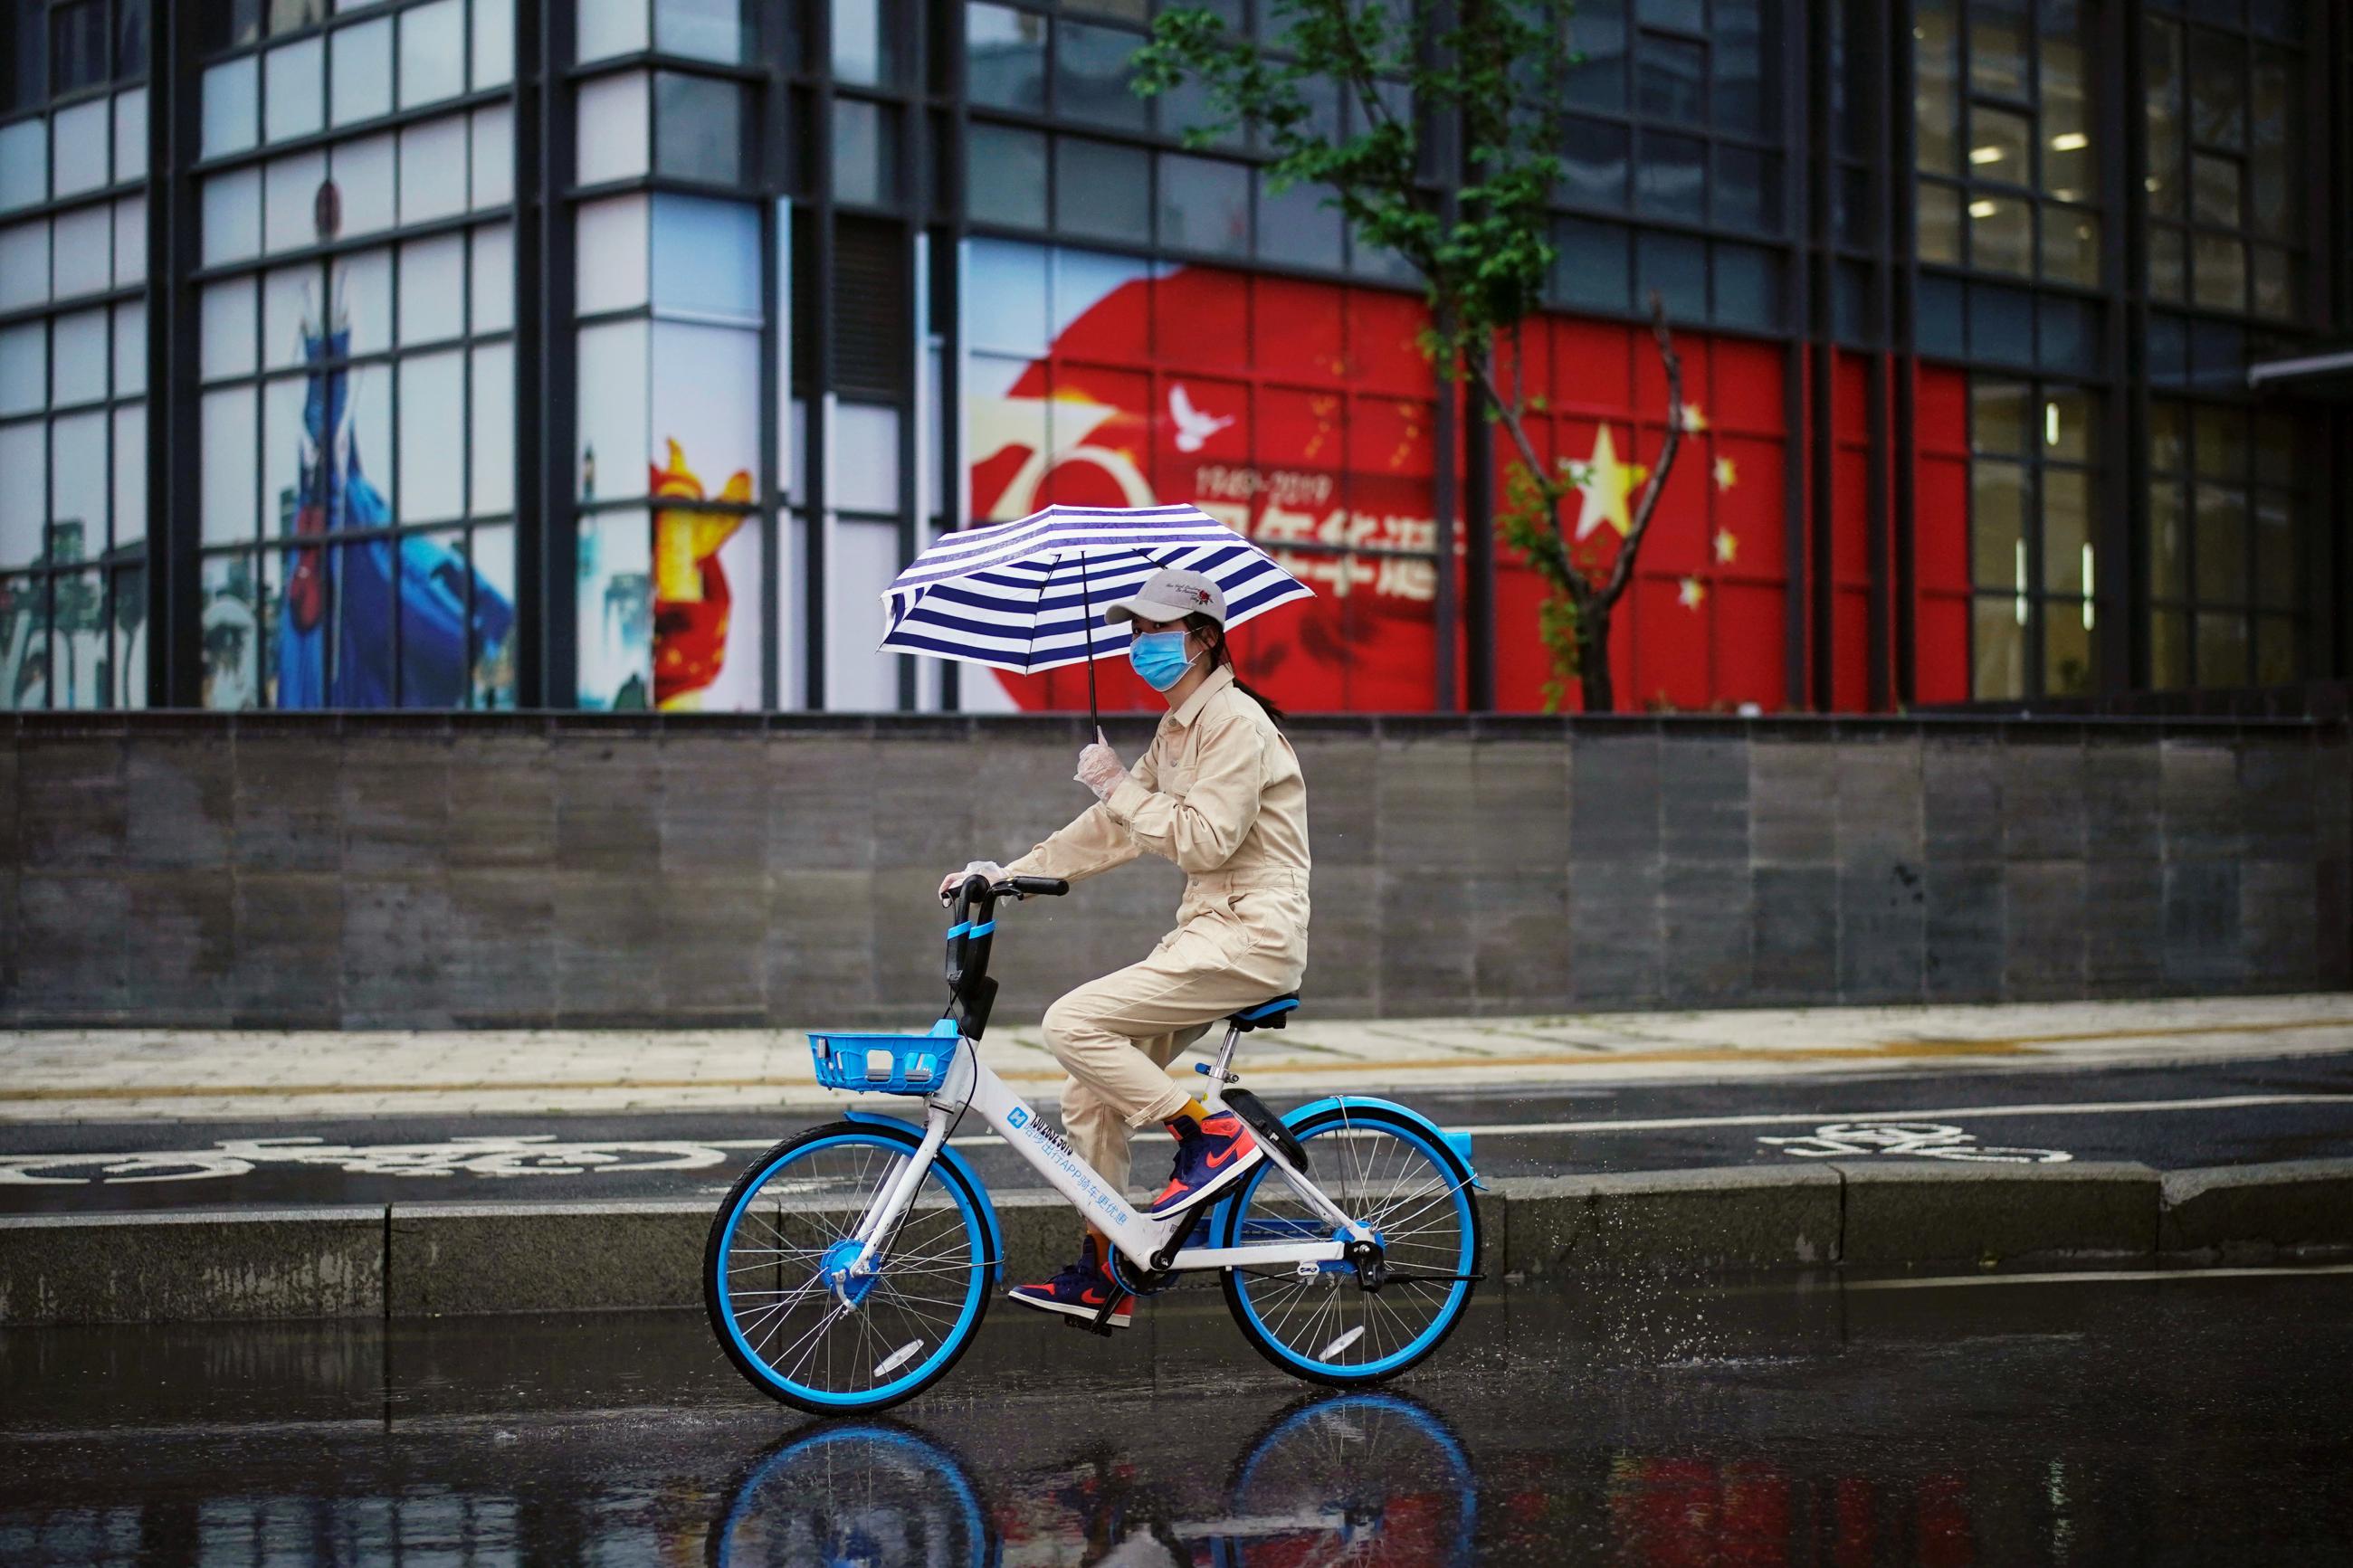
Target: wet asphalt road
2193 1420
2205 1113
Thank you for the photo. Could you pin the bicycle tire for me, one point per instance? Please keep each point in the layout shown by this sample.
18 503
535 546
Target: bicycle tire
719 1306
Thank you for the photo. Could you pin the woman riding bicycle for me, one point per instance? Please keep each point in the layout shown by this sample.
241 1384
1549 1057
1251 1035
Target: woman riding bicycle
1219 791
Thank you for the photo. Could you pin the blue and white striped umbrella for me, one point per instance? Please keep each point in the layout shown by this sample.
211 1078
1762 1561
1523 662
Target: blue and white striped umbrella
1028 596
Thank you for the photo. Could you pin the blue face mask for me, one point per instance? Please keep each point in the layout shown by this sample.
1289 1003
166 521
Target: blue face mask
1159 657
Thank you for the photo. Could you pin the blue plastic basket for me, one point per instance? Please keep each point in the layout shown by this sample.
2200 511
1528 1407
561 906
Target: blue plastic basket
885 1064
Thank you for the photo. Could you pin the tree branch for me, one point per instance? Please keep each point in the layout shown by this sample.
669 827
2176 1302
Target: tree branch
1622 572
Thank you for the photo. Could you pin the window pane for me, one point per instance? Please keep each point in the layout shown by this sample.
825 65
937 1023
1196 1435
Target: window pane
2276 127
433 289
1006 177
363 175
2278 656
77 45
2219 269
293 99
2067 533
866 443
131 348
2070 431
493 454
1104 192
1672 180
1670 80
614 393
865 152
2218 89
493 290
130 41
1740 97
1592 268
2000 416
78 485
2066 649
1204 205
2275 278
612 143
2001 234
230 505
130 474
78 359
1937 71
2222 650
1747 286
699 128
1998 658
432 53
493 43
24 163
1997 47
1596 31
432 436
699 29
706 258
2276 581
2215 190
865 50
494 156
433 170
77 148
1091 76
2222 545
616 611
289 201
491 553
2002 146
24 499
2168 651
1005 57
611 27
131 134
24 368
226 329
2169 263
1593 164
1998 525
1677 268
1940 221
2071 246
2169 542
2165 117
232 107
2068 168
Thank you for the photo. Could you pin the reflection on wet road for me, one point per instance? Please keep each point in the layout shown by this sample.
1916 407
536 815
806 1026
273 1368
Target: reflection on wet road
2195 1419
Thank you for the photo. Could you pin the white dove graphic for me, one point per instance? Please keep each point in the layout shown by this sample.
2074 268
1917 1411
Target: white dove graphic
1194 427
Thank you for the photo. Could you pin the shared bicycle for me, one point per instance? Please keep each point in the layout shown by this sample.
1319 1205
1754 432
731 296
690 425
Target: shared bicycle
849 1267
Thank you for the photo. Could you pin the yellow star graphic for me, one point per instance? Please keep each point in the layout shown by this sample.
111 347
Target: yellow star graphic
1727 476
1726 546
1695 418
1604 483
1691 592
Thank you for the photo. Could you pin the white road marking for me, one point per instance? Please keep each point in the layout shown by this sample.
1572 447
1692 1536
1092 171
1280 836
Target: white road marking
1781 1118
2098 1275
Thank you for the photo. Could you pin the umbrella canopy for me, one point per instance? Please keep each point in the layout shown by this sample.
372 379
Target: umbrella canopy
1028 595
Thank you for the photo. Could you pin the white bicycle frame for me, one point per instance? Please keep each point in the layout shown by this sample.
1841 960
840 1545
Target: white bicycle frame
968 1082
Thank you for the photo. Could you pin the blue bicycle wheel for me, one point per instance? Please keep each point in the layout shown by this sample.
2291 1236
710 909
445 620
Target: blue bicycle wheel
1393 1174
781 1304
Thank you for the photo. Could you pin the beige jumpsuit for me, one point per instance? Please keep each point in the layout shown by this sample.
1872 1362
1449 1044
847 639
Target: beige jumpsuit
1219 791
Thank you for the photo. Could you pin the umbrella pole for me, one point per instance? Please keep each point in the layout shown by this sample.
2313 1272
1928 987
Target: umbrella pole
1087 620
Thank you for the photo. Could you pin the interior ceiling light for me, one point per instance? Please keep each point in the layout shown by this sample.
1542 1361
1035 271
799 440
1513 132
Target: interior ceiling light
2070 142
1981 209
1985 154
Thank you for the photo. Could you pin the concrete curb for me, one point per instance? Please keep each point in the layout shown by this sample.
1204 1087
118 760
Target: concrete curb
425 1260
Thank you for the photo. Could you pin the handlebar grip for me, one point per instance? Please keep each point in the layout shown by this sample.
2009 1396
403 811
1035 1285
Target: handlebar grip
1030 887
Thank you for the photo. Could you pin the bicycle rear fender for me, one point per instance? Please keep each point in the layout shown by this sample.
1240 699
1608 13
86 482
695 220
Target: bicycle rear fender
1456 1143
899 1127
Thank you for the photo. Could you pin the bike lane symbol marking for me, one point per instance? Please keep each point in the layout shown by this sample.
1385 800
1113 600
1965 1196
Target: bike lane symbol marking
1923 1139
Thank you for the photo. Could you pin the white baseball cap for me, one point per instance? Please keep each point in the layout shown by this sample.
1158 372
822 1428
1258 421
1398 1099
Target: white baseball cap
1170 595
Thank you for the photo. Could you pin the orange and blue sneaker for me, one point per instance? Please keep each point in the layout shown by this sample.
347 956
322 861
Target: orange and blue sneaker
1079 1291
1211 1155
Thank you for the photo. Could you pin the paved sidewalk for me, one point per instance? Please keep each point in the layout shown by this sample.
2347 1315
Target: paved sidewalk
141 1074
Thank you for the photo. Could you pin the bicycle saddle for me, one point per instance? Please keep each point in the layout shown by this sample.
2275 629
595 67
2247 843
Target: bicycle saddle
1269 1015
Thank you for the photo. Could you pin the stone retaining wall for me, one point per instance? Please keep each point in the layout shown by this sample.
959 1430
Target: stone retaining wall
572 870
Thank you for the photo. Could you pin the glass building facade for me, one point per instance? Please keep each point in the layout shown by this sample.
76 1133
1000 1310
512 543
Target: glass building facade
613 354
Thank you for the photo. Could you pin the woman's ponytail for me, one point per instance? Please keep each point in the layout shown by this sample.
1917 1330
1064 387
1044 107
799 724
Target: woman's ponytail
1221 655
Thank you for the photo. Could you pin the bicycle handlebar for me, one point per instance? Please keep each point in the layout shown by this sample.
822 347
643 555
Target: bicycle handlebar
972 915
